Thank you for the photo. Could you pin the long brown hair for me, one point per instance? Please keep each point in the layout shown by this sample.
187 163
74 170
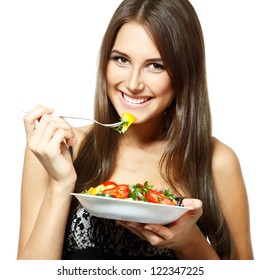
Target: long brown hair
176 31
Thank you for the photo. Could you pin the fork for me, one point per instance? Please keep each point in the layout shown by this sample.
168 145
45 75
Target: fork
112 125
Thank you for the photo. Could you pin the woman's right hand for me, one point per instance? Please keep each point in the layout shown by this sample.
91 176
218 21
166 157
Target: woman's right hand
49 141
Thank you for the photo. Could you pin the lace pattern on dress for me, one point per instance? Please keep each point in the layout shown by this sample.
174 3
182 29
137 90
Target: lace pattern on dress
105 237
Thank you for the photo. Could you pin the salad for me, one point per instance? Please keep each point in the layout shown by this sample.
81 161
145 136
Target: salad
127 119
137 192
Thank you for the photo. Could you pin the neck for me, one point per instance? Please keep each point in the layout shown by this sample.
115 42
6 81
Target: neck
143 134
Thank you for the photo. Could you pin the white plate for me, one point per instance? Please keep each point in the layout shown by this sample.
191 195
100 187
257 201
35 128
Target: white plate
129 210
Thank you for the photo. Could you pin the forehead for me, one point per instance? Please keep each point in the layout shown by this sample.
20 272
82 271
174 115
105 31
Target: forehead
133 38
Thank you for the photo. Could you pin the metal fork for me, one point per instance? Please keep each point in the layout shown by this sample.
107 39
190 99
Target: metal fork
112 125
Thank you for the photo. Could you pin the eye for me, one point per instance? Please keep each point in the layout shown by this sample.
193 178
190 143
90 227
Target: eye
120 59
155 67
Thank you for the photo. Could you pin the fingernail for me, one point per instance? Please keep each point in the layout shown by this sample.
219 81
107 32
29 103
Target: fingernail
148 228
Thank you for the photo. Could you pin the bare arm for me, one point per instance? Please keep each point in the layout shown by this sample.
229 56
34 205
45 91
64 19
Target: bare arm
48 179
232 195
44 210
183 236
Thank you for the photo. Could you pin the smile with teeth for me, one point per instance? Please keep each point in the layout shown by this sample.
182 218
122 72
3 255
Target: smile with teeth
135 100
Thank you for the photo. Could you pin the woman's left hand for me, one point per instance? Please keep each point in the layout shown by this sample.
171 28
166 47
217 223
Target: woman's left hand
172 236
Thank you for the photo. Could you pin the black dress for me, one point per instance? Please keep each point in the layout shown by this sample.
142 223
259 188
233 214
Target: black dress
95 238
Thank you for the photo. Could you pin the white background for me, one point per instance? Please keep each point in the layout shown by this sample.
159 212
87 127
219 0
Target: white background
48 55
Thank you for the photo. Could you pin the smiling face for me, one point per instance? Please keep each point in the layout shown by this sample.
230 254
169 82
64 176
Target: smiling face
137 81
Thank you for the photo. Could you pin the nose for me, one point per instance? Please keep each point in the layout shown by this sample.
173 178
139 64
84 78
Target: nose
135 83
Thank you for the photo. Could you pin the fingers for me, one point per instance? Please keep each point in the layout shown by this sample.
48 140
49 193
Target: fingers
141 231
52 145
196 206
32 116
49 126
51 130
173 234
49 142
131 226
192 202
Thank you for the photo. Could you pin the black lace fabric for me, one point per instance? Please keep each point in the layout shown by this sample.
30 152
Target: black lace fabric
95 238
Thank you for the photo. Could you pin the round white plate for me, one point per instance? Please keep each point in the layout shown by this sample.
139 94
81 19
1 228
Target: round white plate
129 210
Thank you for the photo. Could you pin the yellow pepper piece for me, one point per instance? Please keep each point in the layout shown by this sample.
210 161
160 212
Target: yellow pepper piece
127 119
96 190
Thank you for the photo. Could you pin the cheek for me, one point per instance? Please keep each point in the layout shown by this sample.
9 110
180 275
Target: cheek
163 88
109 75
113 75
112 80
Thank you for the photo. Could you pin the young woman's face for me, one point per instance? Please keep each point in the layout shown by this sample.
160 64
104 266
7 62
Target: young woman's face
137 81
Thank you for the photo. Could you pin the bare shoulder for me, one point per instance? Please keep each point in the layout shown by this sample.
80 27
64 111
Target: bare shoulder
232 195
226 169
224 158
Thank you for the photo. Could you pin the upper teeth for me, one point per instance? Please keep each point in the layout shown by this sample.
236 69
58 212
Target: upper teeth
136 100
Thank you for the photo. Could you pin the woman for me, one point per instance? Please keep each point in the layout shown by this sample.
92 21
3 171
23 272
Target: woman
152 64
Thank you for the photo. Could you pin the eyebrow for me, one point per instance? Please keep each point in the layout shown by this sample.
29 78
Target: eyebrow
156 60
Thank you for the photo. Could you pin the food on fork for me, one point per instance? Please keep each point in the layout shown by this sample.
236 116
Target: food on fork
127 119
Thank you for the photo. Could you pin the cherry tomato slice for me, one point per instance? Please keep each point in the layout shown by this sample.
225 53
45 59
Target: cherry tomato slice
165 200
157 197
123 191
120 191
153 196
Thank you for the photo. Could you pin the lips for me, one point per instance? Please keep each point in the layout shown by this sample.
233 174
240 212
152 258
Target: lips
136 101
